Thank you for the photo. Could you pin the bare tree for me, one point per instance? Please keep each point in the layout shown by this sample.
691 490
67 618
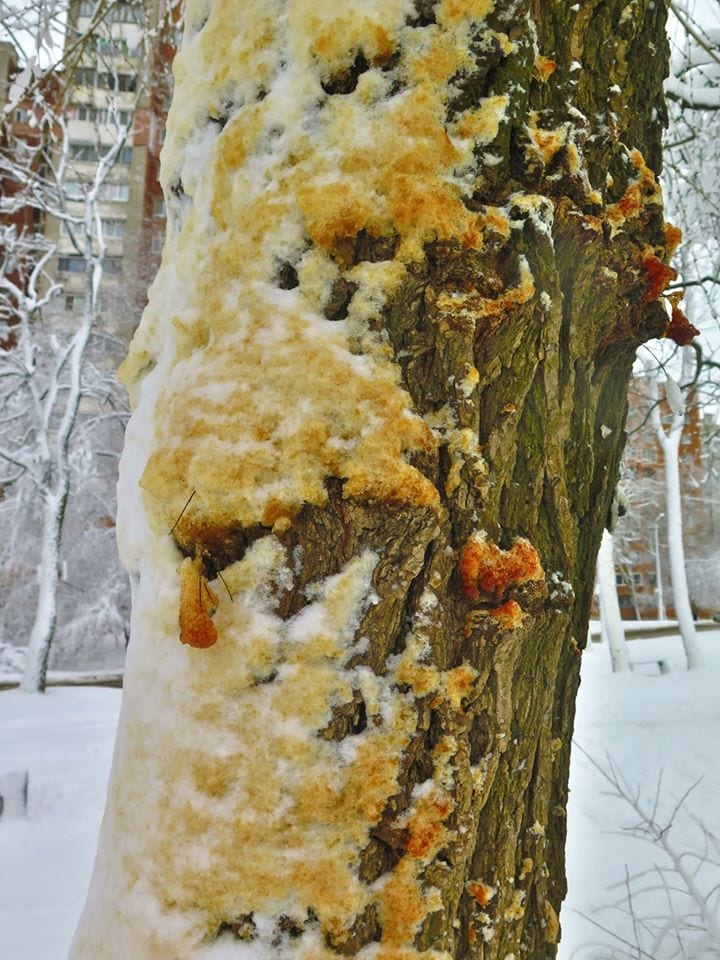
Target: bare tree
47 375
670 909
669 443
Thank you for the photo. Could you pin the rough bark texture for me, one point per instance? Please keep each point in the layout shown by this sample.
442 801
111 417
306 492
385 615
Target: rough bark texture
516 351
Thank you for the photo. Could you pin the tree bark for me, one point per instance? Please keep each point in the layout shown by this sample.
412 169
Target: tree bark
380 389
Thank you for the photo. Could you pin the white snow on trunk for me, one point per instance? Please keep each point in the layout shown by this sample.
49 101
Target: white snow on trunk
610 616
676 548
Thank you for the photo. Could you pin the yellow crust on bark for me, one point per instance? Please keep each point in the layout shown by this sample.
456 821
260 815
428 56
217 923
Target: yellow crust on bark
264 398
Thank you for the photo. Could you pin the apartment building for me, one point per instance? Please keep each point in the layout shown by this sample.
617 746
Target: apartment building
116 83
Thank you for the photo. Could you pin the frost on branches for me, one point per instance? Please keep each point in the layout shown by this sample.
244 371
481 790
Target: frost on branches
55 396
274 793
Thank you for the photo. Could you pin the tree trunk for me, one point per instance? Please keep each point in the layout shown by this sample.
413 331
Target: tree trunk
610 605
43 628
670 445
380 390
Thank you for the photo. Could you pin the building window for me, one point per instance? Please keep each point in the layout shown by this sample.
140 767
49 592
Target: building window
71 264
105 79
126 82
628 579
112 265
73 190
114 191
89 153
85 76
75 304
157 242
125 13
87 8
159 208
83 151
114 46
113 229
22 116
102 115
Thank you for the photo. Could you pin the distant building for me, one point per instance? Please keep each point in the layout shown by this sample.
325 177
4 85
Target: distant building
117 80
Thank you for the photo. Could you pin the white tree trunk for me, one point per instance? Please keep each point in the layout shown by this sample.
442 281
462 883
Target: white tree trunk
669 441
676 549
57 472
41 635
610 616
660 593
54 389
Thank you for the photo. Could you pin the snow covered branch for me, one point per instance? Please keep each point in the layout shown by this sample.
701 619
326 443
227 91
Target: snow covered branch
48 372
672 905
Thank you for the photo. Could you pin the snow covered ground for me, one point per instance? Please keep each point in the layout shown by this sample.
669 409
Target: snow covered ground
647 724
650 727
64 739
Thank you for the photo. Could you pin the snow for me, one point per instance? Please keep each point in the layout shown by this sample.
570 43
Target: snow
64 739
665 724
647 724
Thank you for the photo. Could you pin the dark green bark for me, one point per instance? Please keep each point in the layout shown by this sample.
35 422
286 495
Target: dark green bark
552 465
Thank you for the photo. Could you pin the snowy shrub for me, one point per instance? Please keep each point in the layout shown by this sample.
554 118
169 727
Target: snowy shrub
93 602
12 659
671 909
